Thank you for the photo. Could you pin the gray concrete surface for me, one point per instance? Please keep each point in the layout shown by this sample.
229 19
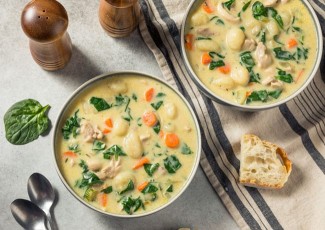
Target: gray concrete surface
93 53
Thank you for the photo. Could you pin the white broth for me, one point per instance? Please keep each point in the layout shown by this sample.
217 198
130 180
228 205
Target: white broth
251 52
127 144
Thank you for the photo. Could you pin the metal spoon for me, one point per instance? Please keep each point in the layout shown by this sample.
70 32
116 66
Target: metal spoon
41 193
28 215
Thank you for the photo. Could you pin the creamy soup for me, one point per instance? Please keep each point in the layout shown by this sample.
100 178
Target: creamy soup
128 144
251 52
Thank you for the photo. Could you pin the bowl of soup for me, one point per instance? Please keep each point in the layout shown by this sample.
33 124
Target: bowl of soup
251 54
126 144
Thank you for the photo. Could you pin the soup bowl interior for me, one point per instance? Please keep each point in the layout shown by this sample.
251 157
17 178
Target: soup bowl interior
61 121
194 5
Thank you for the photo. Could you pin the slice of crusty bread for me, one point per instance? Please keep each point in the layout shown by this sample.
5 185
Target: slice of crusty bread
263 164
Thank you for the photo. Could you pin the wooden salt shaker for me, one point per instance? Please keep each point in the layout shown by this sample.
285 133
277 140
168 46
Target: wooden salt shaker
45 23
119 17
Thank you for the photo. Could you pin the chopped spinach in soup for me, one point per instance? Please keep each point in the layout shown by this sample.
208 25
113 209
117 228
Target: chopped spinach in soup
251 52
127 145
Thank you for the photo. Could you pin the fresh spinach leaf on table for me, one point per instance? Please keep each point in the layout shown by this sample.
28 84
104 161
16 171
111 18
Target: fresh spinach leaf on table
25 121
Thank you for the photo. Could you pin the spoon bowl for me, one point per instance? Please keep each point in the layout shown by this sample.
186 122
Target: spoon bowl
41 193
28 215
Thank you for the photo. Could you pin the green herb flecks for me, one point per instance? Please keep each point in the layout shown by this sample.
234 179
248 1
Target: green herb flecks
170 188
214 54
172 164
99 103
107 190
228 4
98 146
71 126
74 148
156 128
128 117
203 38
134 97
160 94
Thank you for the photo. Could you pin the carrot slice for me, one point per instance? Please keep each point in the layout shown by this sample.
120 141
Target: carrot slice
206 8
69 154
224 69
189 41
206 59
149 94
106 131
171 140
103 199
109 123
299 75
149 119
248 93
161 134
292 43
141 162
143 185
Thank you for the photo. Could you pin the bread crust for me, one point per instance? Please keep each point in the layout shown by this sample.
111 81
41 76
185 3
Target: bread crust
286 163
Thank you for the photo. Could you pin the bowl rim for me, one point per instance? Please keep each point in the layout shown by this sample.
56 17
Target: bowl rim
90 83
205 90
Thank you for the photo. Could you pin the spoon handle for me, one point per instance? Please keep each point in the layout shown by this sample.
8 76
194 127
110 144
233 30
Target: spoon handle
51 222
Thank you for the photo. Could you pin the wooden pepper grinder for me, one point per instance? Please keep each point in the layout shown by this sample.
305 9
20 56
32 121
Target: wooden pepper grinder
45 23
119 17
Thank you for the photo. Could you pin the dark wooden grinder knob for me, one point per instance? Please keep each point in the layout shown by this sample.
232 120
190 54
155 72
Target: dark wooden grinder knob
45 22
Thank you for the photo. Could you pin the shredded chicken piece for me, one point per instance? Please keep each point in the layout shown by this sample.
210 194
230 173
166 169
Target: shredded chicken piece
277 84
110 170
264 59
160 171
206 32
89 132
267 80
249 44
284 1
223 13
270 2
287 67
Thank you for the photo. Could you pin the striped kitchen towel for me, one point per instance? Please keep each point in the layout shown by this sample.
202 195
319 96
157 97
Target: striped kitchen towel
298 127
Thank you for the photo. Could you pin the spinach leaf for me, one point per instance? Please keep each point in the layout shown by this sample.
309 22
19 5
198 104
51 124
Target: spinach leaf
71 126
157 105
259 10
122 100
172 164
139 122
246 5
107 190
302 53
115 150
98 146
170 188
282 55
25 121
276 39
275 94
216 64
263 39
260 95
213 54
156 128
160 94
246 59
242 28
253 77
132 205
203 38
99 103
185 149
88 179
129 187
150 188
228 4
128 117
219 21
283 76
298 29
74 148
151 168
84 166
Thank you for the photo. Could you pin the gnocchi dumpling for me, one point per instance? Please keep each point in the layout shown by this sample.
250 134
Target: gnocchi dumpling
286 18
121 127
118 86
240 75
199 19
170 110
272 28
235 38
207 45
225 83
132 145
122 180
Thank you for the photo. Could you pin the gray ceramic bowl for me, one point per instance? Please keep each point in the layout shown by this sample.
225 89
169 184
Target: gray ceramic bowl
192 7
59 123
